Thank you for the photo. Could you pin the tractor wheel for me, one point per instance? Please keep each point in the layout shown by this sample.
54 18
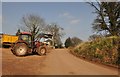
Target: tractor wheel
20 49
41 51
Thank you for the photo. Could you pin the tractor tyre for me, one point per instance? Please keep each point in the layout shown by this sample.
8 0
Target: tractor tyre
41 51
20 49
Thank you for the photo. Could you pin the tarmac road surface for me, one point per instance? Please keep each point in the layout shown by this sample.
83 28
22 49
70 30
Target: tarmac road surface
57 62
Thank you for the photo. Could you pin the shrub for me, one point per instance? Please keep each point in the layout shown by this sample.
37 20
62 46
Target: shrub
106 50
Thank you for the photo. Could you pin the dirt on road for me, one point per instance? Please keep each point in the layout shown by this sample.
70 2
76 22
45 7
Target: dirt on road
57 62
13 65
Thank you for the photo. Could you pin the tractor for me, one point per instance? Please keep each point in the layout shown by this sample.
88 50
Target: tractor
24 45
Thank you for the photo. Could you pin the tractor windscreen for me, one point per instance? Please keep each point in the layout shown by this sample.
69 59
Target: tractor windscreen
25 38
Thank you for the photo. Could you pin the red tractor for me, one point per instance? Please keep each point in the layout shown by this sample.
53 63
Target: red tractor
24 45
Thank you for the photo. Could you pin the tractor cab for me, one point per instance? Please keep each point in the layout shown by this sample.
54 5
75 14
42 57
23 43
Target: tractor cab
25 37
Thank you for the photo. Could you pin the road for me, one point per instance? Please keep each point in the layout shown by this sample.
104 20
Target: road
57 62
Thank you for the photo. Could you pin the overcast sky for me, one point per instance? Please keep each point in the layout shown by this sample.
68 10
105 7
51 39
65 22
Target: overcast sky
75 17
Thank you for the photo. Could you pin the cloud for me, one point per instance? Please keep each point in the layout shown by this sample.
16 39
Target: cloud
71 19
66 15
75 21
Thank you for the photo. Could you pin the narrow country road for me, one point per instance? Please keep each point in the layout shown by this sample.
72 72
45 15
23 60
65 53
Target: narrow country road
61 62
57 62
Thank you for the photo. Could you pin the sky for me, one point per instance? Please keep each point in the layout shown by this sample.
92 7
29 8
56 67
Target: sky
49 0
75 17
0 16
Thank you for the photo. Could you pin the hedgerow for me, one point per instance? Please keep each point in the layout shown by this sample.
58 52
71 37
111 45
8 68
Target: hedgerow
105 50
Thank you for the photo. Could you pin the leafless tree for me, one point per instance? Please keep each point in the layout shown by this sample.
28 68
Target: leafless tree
94 37
76 41
56 31
108 17
33 24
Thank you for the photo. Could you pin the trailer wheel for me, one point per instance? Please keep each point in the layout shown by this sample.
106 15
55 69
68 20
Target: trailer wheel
41 51
20 49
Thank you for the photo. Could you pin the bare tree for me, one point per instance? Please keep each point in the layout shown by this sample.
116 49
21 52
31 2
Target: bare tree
76 41
94 37
33 24
56 31
108 17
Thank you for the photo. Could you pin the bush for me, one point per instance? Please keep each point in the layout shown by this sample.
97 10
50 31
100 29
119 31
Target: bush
106 50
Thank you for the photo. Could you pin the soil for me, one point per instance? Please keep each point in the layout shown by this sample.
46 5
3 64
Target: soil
56 62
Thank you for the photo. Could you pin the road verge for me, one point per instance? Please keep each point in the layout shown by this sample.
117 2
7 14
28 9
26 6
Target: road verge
95 61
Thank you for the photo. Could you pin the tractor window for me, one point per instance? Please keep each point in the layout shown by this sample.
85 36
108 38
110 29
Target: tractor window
26 37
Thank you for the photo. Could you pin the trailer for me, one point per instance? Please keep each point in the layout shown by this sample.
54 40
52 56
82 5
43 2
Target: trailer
7 40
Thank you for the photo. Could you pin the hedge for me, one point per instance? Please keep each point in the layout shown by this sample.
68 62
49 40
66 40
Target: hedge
105 50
